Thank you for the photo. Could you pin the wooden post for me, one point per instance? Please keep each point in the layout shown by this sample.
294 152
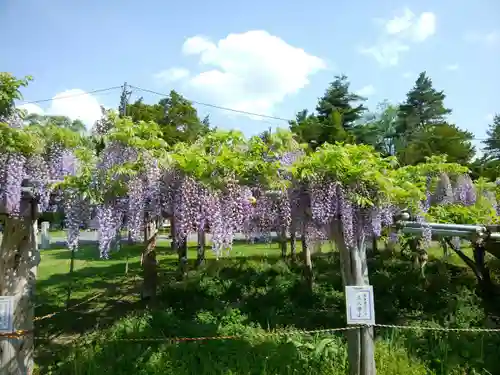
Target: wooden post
45 240
306 256
19 258
200 252
283 242
70 281
150 272
354 269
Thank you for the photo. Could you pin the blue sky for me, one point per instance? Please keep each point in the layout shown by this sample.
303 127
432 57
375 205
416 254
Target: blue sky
272 57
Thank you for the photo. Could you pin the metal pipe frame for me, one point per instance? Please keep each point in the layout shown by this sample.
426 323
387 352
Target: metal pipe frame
441 226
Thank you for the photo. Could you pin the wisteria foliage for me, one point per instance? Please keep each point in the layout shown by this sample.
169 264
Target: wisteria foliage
226 184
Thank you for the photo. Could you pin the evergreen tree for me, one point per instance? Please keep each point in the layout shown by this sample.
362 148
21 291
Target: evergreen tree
424 105
314 131
422 129
339 98
438 139
492 142
336 113
61 121
176 116
378 129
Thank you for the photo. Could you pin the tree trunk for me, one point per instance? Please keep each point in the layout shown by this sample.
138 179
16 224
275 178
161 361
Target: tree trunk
182 254
283 243
150 270
354 268
306 254
444 245
173 235
478 266
293 241
200 251
147 228
374 245
18 262
147 233
293 246
317 246
70 277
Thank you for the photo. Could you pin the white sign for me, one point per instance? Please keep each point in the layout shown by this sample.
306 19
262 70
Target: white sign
6 314
359 303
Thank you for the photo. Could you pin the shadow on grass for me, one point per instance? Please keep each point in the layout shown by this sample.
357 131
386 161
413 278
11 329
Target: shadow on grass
115 300
270 293
248 354
90 252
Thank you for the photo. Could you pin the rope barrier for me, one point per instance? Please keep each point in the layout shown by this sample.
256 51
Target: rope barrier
305 332
21 332
442 329
16 334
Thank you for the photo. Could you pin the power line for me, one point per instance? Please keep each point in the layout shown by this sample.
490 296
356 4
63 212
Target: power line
72 95
192 101
218 106
239 111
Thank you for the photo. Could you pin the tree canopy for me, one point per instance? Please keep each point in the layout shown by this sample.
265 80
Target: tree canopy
177 118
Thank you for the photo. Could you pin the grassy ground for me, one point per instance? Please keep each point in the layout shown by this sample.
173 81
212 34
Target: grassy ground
245 295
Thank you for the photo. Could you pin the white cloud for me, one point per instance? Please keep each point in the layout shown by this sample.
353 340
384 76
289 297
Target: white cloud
196 45
75 104
452 67
407 74
398 33
401 23
251 71
387 53
424 27
411 27
172 74
487 38
31 108
365 91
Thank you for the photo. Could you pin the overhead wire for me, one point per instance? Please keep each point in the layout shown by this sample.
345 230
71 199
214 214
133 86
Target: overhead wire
218 106
237 110
209 105
71 95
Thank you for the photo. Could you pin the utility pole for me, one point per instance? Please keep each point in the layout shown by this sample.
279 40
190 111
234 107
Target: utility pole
122 109
124 98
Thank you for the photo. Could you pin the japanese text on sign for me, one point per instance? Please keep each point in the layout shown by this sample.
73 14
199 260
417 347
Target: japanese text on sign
6 314
359 303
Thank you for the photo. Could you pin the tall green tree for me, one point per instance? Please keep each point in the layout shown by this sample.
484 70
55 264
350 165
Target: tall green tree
438 139
422 128
339 98
424 105
307 128
485 167
10 90
337 112
175 115
379 130
492 142
310 129
60 121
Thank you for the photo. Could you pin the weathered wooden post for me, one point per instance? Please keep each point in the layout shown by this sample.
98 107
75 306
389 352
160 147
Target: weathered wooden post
45 236
19 258
359 303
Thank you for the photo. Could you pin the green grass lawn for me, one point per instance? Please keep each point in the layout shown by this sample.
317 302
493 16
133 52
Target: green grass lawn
246 294
93 275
